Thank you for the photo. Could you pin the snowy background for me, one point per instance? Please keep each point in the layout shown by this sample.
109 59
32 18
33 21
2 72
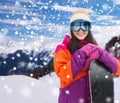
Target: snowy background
23 89
36 25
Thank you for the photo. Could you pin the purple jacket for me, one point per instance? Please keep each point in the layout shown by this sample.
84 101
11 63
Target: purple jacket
74 87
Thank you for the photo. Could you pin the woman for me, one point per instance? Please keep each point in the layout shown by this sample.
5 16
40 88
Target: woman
72 59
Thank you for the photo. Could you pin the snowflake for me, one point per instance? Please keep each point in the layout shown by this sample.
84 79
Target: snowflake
78 56
8 90
50 1
67 92
105 7
35 59
2 78
106 76
81 100
18 55
68 76
26 92
22 43
24 17
4 62
45 7
14 68
97 4
31 58
7 16
13 58
41 38
45 63
32 84
64 67
108 99
4 31
16 32
31 74
32 32
17 3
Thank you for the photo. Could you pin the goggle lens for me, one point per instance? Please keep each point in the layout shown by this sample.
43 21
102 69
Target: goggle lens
80 24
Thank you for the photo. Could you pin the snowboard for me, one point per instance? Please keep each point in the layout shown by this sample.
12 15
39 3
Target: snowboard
101 83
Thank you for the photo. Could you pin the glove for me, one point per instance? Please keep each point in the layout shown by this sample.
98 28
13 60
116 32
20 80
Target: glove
107 59
93 55
89 48
80 56
94 52
80 61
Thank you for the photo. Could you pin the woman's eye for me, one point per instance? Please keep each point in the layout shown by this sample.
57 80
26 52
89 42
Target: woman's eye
85 26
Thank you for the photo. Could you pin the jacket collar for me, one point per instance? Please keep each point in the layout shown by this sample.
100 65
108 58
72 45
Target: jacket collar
66 39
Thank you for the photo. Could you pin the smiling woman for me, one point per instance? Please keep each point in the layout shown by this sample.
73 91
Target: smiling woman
72 59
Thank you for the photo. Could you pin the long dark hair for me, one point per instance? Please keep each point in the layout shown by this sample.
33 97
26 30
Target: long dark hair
74 43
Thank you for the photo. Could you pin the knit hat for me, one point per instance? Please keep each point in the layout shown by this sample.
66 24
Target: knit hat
80 14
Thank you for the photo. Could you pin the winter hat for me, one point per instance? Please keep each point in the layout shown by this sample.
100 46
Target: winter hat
80 14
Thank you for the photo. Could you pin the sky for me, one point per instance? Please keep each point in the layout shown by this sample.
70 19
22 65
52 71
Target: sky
51 17
27 22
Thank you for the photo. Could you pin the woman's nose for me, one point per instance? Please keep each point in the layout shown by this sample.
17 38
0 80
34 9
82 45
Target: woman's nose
80 30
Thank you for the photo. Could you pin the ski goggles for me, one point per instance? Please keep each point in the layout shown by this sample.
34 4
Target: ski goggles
80 25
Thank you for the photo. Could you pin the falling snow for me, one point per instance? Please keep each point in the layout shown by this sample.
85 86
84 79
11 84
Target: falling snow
36 26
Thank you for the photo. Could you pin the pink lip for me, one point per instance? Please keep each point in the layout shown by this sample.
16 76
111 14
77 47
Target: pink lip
80 34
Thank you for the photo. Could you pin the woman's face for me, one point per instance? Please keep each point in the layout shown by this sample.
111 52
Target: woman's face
80 28
80 34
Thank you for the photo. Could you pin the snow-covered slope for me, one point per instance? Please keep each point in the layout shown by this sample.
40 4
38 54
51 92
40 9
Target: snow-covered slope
23 89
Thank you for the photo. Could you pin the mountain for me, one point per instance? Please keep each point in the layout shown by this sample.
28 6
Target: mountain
31 56
22 62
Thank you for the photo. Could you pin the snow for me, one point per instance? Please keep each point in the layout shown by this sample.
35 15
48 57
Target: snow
117 89
23 89
37 18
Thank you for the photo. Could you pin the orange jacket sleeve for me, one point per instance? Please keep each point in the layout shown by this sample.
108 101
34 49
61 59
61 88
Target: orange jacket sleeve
118 70
62 65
